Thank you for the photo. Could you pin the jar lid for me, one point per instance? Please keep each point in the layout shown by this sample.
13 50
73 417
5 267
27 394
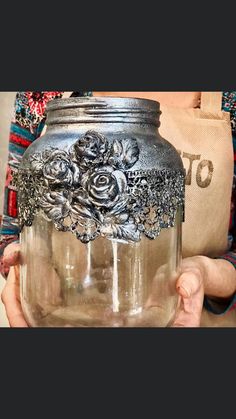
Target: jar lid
107 109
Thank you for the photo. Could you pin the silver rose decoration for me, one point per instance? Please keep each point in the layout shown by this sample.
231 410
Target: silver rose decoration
56 205
90 149
59 170
90 190
56 167
105 186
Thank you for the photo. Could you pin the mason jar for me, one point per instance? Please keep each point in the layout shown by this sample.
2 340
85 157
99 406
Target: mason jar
100 208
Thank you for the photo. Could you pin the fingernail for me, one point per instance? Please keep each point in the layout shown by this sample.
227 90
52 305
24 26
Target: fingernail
185 291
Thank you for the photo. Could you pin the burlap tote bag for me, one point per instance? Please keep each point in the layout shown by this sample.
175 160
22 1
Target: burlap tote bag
204 140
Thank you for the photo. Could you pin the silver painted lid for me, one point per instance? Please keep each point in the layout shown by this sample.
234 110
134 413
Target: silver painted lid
107 109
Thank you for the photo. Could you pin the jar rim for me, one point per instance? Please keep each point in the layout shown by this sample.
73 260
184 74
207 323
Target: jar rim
103 109
101 101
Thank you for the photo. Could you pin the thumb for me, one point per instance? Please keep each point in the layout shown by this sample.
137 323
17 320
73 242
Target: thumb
9 258
188 284
10 248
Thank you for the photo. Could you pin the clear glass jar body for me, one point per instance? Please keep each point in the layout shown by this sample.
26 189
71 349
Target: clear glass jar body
105 283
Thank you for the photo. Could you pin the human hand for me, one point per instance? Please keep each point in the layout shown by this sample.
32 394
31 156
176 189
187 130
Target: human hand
11 291
202 275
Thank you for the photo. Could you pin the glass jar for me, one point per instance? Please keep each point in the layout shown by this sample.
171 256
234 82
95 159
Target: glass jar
100 198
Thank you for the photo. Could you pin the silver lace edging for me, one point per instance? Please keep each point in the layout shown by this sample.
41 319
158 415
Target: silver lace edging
90 191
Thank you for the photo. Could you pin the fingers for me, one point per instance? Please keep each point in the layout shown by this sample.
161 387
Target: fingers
11 259
11 256
6 261
10 248
188 284
187 320
11 299
190 288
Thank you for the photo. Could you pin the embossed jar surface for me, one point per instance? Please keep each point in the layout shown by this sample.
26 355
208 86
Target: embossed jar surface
101 198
